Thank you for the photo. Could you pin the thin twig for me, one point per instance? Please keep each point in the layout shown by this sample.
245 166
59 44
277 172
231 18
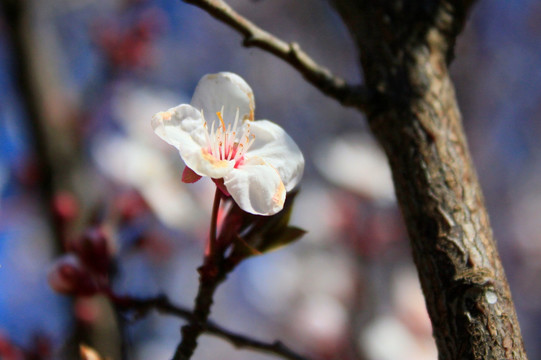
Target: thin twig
241 341
254 36
163 305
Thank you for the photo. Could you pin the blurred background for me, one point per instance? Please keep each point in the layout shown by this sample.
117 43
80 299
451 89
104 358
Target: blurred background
79 82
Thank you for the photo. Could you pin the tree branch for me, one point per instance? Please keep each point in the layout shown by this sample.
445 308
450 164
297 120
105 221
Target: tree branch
415 116
332 86
203 304
163 305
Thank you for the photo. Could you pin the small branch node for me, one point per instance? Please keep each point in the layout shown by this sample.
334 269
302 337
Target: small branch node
249 41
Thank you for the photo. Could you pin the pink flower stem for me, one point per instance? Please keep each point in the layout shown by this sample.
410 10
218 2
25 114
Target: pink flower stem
213 225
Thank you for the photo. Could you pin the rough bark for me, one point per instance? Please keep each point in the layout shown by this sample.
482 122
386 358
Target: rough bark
405 49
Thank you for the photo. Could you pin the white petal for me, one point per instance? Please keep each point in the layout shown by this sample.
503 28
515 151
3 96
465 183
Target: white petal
256 187
204 164
279 150
226 90
180 126
184 128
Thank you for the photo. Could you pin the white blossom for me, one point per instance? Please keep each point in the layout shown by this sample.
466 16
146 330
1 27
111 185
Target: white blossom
217 137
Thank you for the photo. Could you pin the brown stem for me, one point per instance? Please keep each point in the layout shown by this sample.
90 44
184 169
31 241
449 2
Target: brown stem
203 303
254 36
163 305
212 274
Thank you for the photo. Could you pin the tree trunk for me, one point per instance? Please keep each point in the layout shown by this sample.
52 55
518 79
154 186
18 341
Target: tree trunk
405 48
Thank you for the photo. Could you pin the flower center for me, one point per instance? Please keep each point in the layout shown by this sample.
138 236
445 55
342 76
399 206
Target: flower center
228 142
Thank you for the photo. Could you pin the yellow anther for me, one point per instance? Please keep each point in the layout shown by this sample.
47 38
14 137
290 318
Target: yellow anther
219 114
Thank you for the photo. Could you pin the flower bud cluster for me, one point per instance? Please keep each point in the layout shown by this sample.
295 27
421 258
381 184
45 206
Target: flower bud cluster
127 45
84 269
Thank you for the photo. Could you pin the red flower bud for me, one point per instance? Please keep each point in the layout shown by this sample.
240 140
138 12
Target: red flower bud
130 205
69 276
94 248
8 350
65 206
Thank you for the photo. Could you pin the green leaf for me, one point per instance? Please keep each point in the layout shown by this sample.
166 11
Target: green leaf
242 249
275 223
276 240
252 235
